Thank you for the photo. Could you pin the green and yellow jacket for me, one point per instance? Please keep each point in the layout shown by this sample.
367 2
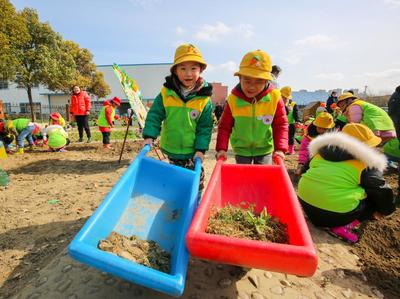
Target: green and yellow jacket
374 117
184 123
343 172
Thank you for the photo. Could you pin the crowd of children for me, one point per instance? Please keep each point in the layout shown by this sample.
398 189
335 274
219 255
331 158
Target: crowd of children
54 134
341 175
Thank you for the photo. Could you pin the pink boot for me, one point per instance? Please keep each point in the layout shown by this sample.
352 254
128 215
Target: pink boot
291 149
354 225
344 233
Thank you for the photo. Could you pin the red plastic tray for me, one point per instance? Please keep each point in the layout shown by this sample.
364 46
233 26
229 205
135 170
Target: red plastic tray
264 186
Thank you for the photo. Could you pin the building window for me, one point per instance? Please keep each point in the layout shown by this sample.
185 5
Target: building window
3 84
7 108
26 108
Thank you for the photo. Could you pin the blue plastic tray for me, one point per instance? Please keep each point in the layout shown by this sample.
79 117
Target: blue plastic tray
154 201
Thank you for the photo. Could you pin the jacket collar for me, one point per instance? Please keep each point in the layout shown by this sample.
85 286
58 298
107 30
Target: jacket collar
201 88
237 91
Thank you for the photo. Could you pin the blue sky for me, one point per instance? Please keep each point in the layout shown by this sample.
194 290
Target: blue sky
318 44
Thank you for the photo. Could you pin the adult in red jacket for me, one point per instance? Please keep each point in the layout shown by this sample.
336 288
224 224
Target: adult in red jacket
80 109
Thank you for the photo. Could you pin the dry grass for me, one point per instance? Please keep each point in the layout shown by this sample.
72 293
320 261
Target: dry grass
239 222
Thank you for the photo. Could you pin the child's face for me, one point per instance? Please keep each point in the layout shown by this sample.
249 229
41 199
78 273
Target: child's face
188 73
77 89
321 130
252 86
342 105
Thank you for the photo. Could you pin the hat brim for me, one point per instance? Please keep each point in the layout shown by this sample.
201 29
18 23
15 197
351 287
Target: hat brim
374 141
251 72
324 127
193 58
346 98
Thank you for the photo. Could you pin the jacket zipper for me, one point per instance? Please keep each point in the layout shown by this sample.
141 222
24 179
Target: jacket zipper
252 124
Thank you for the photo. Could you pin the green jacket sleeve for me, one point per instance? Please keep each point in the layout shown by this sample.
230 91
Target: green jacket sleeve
155 117
204 128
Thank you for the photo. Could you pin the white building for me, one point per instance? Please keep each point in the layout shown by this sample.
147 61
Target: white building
149 77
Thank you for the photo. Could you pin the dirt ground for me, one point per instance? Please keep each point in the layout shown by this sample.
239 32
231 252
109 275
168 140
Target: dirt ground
51 195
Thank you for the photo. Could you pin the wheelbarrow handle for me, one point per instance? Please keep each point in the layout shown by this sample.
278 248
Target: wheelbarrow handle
144 151
197 165
278 160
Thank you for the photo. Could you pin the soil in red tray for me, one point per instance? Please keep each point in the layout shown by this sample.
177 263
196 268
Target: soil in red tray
241 222
147 253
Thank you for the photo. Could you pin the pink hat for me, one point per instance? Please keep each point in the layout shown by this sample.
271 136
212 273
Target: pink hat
55 116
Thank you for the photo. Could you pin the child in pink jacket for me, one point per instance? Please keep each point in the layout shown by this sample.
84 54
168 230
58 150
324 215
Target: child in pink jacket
323 122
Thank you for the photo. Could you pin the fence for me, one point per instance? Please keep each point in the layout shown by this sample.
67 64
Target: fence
42 112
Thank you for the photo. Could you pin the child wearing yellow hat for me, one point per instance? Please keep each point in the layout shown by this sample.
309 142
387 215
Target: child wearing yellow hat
292 114
182 112
254 118
323 123
358 111
344 183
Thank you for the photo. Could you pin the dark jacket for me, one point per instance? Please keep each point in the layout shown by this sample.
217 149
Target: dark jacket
394 105
295 111
329 102
332 148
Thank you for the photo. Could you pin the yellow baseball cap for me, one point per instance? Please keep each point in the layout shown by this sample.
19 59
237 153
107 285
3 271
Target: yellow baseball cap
324 120
256 64
362 133
286 92
188 52
345 96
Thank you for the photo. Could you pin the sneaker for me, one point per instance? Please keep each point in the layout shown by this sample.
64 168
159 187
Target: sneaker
88 140
344 233
107 146
80 139
20 151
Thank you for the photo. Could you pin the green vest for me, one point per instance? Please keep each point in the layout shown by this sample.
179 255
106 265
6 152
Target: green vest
392 148
20 124
56 139
178 130
290 117
252 130
102 121
374 117
332 186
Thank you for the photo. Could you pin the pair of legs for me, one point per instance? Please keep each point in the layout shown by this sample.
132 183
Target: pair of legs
82 121
25 134
324 218
292 131
106 140
262 160
189 164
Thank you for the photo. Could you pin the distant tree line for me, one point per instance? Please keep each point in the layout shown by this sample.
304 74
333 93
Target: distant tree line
32 53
